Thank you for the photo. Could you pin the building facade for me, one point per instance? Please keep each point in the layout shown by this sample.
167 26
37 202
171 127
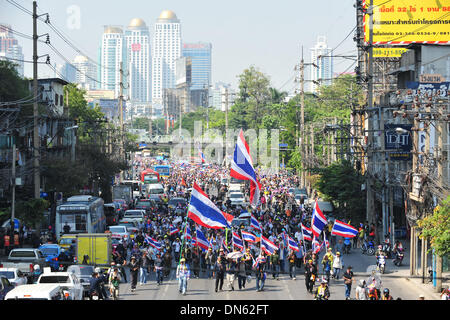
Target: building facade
200 54
113 58
166 49
10 48
321 56
85 73
137 38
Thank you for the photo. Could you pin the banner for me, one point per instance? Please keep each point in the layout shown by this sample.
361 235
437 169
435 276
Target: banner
388 52
401 22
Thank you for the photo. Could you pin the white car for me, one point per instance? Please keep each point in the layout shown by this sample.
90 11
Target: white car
67 280
119 231
136 215
14 275
237 198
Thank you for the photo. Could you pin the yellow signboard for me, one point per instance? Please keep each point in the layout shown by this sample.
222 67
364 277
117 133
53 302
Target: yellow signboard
388 52
401 22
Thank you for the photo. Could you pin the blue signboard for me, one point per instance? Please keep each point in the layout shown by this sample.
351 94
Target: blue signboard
399 145
429 88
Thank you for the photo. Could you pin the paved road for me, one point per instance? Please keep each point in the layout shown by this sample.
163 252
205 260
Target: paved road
283 289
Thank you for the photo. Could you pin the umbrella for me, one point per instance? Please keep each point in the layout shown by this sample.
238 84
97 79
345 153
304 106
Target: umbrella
235 255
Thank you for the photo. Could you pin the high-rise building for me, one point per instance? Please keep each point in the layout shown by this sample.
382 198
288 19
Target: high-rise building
166 49
321 56
137 37
85 73
10 48
200 54
219 98
67 71
113 57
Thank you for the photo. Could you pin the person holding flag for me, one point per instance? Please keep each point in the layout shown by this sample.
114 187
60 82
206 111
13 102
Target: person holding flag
260 270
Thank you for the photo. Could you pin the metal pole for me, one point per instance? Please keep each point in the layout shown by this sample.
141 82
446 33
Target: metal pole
36 170
302 120
13 200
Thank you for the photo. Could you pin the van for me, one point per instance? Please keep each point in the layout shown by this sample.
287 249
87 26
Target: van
37 291
155 188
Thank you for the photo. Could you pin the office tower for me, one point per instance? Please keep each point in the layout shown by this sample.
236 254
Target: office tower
200 54
85 72
166 49
10 48
321 56
219 99
113 56
137 37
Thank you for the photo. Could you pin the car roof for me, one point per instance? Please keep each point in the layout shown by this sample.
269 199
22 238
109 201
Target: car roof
33 289
9 269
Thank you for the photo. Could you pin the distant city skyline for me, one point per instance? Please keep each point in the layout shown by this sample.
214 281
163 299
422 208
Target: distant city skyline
268 35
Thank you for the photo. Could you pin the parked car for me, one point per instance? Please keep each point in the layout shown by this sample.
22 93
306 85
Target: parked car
47 291
5 287
136 215
67 280
51 253
84 274
24 259
14 276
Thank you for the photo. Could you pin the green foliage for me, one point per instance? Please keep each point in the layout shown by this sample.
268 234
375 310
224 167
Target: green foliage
341 184
436 228
12 86
31 211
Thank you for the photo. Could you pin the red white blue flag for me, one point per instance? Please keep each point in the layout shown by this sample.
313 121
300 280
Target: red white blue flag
153 242
255 223
343 229
204 212
318 221
292 244
307 233
202 242
237 241
247 236
242 168
268 246
173 230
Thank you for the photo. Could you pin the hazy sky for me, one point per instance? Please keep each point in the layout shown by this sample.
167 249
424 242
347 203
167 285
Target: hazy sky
265 33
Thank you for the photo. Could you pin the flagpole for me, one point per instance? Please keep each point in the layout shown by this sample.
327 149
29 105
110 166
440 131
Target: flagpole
185 227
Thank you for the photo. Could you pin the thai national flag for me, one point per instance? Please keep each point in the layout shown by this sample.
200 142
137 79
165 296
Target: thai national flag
173 230
201 155
307 233
202 242
204 212
316 245
237 241
247 236
155 244
242 168
293 244
187 234
268 246
325 241
224 246
256 262
344 230
318 221
254 223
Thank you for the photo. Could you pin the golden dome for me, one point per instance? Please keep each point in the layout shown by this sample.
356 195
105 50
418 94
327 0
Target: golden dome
168 15
137 22
111 29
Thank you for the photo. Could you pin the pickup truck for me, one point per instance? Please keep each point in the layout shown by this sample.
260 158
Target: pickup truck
24 259
67 280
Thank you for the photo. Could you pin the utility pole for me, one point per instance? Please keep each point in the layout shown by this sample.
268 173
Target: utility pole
36 144
122 153
302 119
150 124
13 182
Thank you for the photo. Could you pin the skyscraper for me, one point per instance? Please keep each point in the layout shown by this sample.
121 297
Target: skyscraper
137 37
321 55
85 72
166 49
200 54
112 57
10 48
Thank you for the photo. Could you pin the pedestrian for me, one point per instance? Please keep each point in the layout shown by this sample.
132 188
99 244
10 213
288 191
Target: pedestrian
326 268
209 261
322 292
292 259
275 264
145 262
361 292
158 268
231 273
445 295
261 272
338 264
348 280
183 275
219 272
241 273
134 271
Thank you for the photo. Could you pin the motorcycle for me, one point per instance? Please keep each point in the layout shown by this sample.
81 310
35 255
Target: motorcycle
381 264
387 249
368 247
399 257
347 245
93 295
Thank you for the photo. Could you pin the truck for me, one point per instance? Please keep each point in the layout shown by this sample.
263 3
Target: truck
94 249
24 259
123 192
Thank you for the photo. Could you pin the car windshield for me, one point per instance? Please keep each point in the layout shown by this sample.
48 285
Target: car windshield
176 201
54 279
84 271
133 214
67 241
325 206
298 196
235 195
143 204
49 251
117 229
7 274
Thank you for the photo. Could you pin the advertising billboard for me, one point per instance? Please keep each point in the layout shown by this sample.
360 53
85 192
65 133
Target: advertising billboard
388 52
398 144
402 22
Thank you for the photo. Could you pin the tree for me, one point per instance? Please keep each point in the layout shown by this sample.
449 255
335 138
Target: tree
12 86
436 228
341 184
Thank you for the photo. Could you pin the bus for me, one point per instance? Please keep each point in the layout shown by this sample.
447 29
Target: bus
135 186
163 170
80 214
149 176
